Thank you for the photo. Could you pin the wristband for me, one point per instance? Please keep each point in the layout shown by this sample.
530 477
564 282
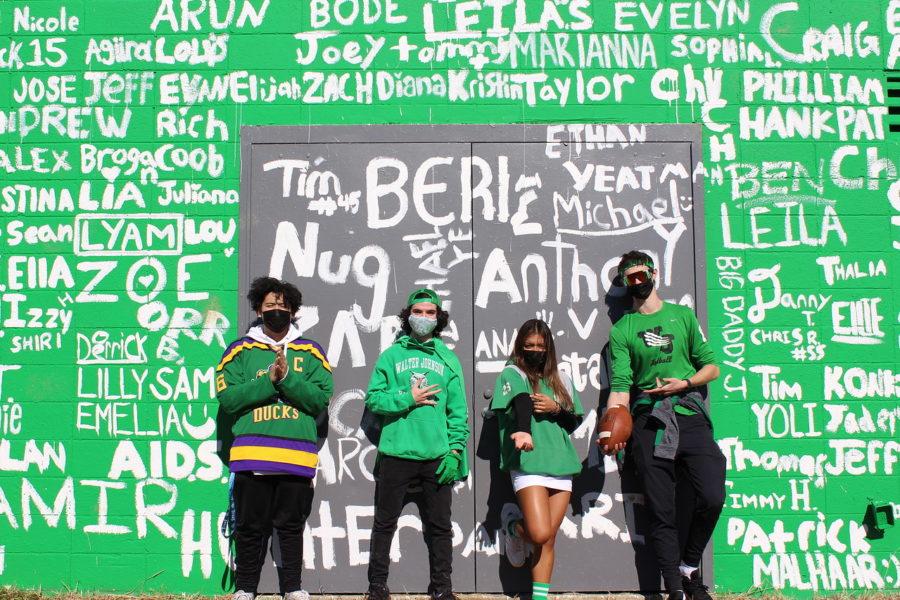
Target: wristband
688 382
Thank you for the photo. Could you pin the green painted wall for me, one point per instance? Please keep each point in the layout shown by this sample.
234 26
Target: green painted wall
110 326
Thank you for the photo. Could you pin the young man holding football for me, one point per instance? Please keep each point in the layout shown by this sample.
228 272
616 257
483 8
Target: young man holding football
661 364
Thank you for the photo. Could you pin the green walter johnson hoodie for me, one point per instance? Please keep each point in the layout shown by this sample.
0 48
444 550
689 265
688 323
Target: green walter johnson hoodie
275 423
420 432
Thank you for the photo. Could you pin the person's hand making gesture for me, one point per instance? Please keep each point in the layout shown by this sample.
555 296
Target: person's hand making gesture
422 395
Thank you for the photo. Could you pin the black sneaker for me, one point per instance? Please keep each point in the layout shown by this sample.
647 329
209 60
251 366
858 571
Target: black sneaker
694 588
448 595
377 592
676 595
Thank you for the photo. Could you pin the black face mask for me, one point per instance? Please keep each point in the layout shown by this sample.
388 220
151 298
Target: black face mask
641 290
534 358
276 320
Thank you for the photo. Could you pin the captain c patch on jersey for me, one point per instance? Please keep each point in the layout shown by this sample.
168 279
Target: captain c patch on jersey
655 338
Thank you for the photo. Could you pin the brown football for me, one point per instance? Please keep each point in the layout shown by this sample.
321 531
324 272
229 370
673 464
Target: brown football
615 426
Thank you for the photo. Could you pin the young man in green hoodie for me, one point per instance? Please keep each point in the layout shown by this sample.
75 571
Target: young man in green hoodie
274 383
418 392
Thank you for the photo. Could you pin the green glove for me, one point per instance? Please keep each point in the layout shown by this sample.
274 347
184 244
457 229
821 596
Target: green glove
447 470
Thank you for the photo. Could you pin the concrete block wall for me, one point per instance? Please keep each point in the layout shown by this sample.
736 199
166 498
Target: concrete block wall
120 128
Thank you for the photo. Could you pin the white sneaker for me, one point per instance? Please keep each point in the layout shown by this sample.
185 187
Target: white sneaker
242 595
297 595
517 549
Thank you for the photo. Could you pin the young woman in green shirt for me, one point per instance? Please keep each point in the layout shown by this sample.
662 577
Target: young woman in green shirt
537 409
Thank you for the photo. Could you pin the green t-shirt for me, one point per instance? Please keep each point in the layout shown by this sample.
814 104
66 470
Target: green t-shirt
553 452
667 343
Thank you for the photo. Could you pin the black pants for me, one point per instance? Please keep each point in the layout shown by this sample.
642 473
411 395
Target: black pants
700 461
395 476
263 503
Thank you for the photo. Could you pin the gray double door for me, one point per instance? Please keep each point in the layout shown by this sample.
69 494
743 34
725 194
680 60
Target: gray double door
507 223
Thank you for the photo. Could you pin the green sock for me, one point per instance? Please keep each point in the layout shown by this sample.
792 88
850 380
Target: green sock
540 591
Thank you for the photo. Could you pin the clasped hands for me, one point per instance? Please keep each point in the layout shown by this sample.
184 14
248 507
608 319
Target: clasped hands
279 368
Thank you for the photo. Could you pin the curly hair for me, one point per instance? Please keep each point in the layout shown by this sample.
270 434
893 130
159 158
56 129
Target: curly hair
443 318
263 286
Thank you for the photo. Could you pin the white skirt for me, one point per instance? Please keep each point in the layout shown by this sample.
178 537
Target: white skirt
522 480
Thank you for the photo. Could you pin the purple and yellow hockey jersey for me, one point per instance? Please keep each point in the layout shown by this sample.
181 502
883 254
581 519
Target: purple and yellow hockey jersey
275 424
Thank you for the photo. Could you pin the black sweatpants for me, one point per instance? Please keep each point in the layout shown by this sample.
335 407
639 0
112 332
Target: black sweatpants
263 503
698 459
394 478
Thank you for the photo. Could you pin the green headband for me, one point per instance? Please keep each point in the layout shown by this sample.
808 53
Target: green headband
643 262
424 295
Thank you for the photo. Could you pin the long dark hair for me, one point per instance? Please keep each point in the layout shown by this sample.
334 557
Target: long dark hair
550 373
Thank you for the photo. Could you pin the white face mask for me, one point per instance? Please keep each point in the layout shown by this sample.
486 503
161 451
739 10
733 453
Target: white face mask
422 326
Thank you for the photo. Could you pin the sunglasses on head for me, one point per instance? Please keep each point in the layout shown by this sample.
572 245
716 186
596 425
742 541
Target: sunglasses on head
638 277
